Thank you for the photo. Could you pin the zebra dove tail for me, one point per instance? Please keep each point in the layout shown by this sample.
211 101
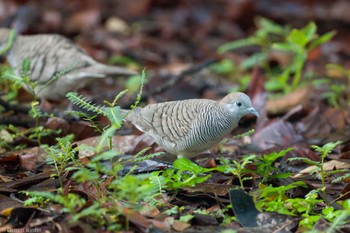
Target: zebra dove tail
112 70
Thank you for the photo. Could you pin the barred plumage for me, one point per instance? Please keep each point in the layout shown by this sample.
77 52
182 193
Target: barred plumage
52 54
188 127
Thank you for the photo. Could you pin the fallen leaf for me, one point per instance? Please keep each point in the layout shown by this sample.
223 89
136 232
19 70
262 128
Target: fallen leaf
28 158
327 166
289 101
180 226
277 133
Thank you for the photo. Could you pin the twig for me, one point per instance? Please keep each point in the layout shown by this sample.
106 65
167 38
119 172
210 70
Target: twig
17 120
16 108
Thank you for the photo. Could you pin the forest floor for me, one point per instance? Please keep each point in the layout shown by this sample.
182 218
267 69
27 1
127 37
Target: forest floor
286 171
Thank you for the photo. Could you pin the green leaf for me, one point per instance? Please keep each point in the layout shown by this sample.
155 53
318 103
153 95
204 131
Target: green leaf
85 175
309 31
10 75
105 137
254 60
139 95
281 175
225 66
133 83
186 218
269 26
297 37
199 180
26 64
9 42
321 40
93 211
184 164
106 155
284 47
305 160
84 103
114 116
237 44
346 204
274 85
327 148
275 155
122 60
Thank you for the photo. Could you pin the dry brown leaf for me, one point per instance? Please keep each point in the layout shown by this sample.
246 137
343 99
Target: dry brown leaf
289 101
328 166
123 144
278 133
5 178
180 226
7 204
162 226
28 158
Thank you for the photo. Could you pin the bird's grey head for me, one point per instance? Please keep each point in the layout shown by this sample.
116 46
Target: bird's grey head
4 37
239 104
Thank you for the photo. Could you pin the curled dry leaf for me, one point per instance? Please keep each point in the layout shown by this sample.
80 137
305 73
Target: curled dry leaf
289 101
328 166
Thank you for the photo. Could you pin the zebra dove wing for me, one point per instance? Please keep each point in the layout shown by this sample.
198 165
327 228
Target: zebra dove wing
49 55
170 120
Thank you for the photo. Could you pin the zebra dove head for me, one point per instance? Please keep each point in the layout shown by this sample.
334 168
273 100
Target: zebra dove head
239 104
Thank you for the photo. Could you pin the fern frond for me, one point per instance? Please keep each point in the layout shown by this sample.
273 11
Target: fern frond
25 67
121 94
35 194
253 60
341 178
106 155
84 116
84 103
79 115
139 95
269 26
238 44
147 157
35 111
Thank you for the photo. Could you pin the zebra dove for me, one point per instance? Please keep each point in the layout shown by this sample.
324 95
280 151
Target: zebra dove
188 127
57 64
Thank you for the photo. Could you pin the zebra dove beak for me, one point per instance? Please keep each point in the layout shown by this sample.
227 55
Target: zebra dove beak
253 111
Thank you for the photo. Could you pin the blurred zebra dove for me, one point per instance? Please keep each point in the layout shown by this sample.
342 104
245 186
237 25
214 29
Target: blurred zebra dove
188 127
57 64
